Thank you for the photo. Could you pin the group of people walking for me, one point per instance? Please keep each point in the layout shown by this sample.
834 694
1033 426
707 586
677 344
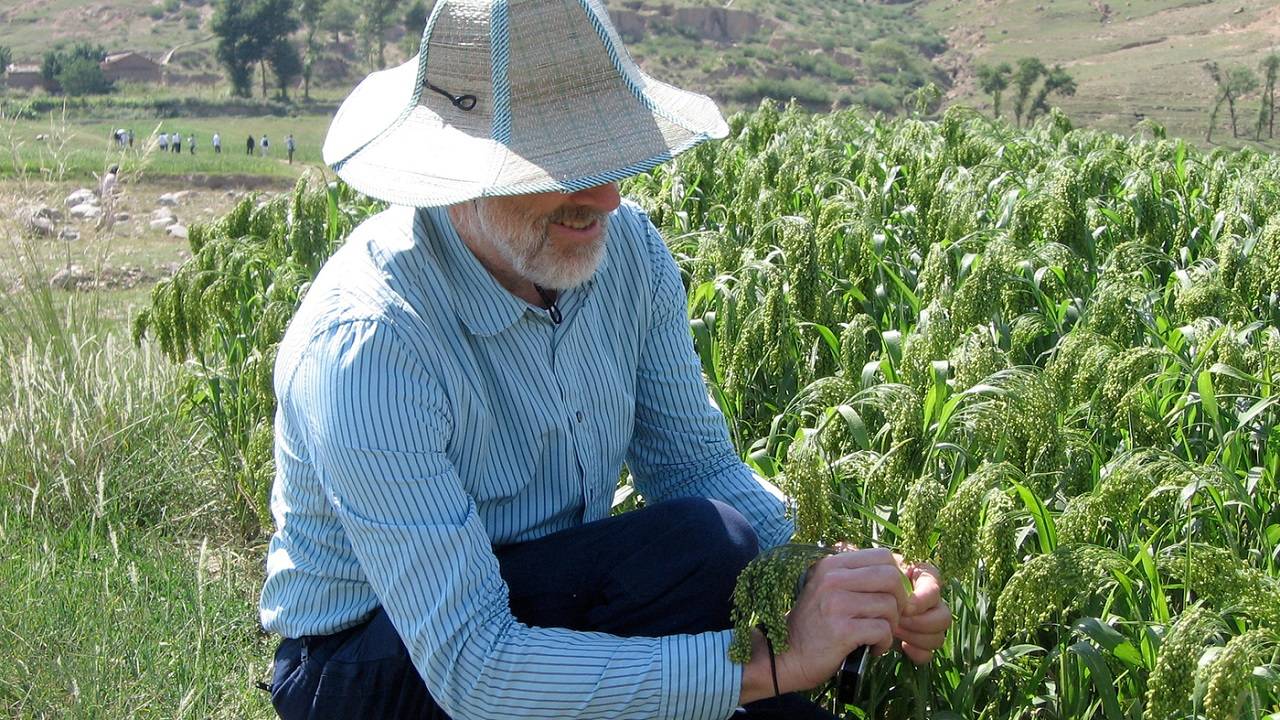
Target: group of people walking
173 142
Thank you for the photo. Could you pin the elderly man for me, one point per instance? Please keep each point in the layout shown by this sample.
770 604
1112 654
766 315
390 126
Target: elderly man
463 383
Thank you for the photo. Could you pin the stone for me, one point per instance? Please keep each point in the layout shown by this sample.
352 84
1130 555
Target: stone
39 226
160 223
177 230
70 278
174 198
80 197
122 217
68 234
85 211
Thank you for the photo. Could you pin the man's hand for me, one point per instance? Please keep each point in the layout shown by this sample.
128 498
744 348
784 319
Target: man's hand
850 599
926 617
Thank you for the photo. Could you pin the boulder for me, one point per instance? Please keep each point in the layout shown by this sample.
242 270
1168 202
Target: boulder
70 278
39 226
177 230
68 234
174 198
160 223
80 197
85 211
122 217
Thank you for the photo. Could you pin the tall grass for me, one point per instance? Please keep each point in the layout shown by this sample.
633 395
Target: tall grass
122 592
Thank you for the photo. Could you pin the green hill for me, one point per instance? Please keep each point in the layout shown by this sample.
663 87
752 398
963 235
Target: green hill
1132 59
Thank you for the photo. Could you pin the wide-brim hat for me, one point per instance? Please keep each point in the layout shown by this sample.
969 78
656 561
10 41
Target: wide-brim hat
508 97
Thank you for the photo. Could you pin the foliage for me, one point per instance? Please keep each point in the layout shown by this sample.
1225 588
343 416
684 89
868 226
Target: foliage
1042 359
223 314
251 32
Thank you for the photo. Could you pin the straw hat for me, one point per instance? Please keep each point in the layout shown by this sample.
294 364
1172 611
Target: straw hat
508 97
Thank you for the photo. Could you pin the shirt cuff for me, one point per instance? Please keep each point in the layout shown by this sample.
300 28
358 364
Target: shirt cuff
698 679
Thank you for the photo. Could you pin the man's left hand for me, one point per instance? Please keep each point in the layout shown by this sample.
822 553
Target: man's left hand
923 624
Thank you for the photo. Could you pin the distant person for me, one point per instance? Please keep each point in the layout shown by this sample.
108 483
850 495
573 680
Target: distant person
248 146
289 146
191 143
263 145
175 143
217 144
107 196
164 142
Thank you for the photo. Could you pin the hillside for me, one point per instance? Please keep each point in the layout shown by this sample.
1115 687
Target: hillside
1132 59
823 53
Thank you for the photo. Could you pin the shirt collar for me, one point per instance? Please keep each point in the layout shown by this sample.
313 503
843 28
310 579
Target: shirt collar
480 301
483 305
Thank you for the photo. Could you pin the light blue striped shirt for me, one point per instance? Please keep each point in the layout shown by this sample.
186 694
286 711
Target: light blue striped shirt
426 414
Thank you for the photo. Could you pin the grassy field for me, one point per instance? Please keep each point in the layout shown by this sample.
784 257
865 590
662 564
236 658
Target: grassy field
81 148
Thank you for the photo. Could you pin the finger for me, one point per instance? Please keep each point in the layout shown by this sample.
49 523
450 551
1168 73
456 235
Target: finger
923 641
860 558
935 619
926 593
873 632
917 655
876 578
865 605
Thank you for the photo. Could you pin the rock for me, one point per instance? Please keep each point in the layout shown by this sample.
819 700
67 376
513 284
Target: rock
85 211
80 197
39 226
70 278
158 223
174 198
122 217
68 234
44 211
162 212
177 230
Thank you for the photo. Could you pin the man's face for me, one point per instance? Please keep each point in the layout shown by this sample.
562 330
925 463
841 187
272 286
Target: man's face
555 240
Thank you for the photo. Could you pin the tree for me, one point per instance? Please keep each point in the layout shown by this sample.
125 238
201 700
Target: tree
994 80
82 76
247 32
1233 83
6 57
1057 81
312 14
415 21
338 16
1267 111
377 17
285 63
1028 72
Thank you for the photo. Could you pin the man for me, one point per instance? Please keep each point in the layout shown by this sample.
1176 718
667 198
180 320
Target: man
248 146
175 143
217 144
289 146
462 384
107 198
164 142
191 143
263 144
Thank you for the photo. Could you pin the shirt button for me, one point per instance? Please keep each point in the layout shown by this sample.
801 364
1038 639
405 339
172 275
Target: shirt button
580 416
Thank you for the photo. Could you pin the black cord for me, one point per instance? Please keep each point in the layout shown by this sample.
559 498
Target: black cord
552 309
462 102
773 662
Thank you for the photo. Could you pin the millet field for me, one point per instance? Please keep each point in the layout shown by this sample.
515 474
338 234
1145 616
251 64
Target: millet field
1045 360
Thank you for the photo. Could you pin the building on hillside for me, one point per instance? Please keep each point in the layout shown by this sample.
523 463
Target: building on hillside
22 77
130 67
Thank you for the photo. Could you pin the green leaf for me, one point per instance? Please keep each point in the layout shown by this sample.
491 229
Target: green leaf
1111 639
1100 674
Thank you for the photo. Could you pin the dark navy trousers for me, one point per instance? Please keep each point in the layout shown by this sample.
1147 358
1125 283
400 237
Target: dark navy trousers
664 570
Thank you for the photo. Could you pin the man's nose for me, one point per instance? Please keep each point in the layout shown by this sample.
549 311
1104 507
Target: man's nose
601 198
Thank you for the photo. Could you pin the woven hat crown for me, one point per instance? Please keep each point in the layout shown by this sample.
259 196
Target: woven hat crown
509 97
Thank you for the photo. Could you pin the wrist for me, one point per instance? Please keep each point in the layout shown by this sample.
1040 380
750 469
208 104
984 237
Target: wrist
759 672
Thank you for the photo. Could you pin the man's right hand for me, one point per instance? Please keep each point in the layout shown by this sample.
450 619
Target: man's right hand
851 599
